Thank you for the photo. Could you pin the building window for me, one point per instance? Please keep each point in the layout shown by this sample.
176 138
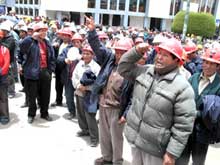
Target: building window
17 10
142 6
25 11
113 4
133 5
36 12
17 1
21 1
91 3
122 5
104 4
31 2
175 7
21 11
36 2
214 7
31 11
25 2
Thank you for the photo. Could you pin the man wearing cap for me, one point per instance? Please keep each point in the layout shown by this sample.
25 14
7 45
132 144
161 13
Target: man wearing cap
162 112
86 116
65 35
193 62
109 85
204 83
66 62
38 63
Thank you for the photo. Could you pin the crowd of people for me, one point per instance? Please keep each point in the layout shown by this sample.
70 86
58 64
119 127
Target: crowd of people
159 92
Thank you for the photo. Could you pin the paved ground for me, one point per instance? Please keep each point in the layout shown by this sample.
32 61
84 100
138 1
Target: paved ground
53 143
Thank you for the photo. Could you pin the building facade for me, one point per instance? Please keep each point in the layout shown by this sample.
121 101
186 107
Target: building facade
153 14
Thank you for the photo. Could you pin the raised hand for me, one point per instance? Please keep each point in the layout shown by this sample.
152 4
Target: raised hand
90 24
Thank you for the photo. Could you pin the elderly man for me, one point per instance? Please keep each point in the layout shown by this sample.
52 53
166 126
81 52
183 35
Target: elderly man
204 84
162 112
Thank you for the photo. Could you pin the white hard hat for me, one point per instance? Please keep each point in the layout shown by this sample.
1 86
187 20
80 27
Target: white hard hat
73 54
24 28
6 26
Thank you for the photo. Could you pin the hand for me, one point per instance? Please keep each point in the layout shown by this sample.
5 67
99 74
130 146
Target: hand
90 23
68 61
122 120
82 88
142 48
168 159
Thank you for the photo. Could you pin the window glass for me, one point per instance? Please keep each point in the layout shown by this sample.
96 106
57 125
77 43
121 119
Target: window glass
142 5
133 5
122 5
91 3
104 4
113 4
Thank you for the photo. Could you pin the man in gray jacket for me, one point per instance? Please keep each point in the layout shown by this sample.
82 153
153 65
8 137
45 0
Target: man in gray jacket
162 113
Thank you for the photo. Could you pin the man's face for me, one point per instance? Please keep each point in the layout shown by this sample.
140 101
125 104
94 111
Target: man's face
164 60
77 43
42 33
209 68
118 54
87 56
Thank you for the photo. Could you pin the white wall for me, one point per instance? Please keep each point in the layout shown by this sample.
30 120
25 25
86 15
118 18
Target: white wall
136 21
193 6
159 8
65 5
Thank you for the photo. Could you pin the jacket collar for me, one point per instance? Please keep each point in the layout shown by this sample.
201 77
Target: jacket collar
169 76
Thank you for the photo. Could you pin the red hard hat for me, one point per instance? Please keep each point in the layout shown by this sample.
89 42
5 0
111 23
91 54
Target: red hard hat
77 36
173 46
190 47
65 31
39 26
124 44
87 48
212 55
102 35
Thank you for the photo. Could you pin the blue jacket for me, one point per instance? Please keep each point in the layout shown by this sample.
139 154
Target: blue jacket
211 116
29 58
105 58
194 66
90 100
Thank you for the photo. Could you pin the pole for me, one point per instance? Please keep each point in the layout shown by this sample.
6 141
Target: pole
186 18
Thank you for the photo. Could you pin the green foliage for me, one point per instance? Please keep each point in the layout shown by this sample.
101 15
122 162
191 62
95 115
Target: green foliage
201 24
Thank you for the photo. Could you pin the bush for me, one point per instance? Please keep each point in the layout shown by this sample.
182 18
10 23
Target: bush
201 24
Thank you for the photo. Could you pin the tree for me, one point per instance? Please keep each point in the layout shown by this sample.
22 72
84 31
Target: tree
201 24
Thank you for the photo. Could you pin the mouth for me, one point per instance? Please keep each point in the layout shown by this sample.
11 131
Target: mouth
159 65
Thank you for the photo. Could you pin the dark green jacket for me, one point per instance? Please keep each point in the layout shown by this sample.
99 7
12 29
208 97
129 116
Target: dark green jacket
200 132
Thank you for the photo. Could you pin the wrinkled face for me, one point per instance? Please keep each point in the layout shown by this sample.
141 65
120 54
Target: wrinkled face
42 33
77 43
209 68
87 56
164 60
118 54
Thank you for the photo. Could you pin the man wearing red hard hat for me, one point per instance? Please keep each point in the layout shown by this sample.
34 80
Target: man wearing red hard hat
204 84
38 63
160 118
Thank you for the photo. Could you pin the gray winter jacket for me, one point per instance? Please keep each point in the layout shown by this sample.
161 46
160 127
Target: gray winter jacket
162 113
